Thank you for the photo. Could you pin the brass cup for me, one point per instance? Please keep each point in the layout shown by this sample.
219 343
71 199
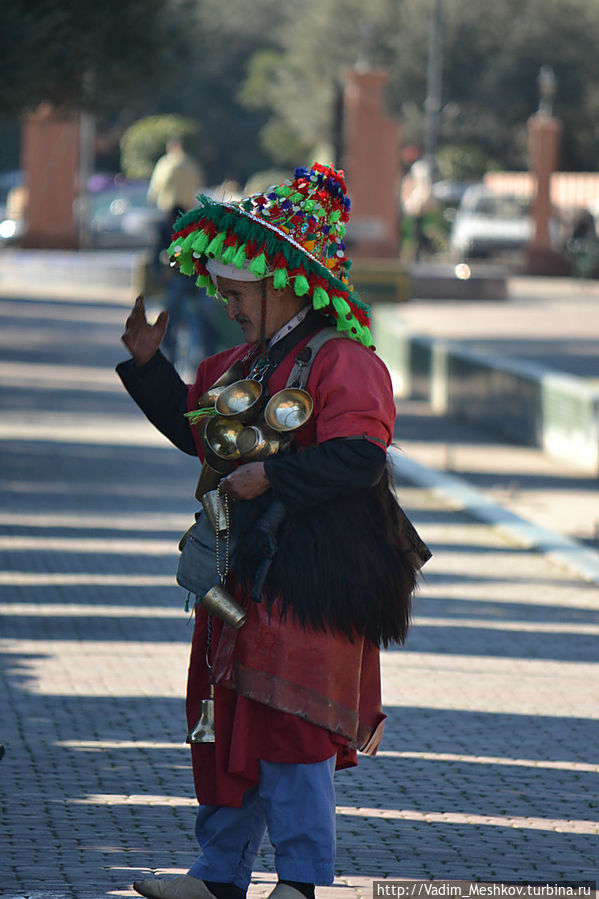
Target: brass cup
220 603
257 442
221 465
221 436
232 374
212 471
210 397
288 410
240 400
214 507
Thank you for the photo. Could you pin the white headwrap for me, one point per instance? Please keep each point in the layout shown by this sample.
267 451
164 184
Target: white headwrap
218 270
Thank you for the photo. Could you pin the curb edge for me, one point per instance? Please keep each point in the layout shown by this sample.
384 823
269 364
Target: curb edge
567 553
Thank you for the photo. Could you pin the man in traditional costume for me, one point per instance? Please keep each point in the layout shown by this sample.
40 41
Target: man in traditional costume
296 688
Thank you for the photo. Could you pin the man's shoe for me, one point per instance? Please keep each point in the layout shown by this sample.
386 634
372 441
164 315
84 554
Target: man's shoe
182 887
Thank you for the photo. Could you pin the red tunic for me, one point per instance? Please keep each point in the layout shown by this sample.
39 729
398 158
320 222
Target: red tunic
285 693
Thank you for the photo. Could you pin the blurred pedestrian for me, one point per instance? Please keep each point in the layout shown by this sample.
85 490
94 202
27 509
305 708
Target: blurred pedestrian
174 185
295 691
175 182
418 204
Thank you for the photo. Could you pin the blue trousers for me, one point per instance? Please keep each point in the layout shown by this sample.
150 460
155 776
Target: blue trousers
297 805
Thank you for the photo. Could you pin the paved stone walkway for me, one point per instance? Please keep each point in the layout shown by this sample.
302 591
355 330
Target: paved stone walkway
489 766
550 321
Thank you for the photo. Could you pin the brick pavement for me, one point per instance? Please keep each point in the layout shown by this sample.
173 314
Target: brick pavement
551 321
489 765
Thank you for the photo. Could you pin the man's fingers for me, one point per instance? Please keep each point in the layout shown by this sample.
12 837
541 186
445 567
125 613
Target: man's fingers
138 312
162 321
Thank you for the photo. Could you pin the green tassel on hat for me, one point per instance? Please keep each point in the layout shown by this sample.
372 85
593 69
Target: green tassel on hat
229 255
215 246
280 278
342 306
186 266
203 281
301 286
320 298
240 259
200 243
258 266
187 243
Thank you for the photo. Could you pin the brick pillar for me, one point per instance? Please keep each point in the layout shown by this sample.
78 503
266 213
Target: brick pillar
50 160
544 133
372 166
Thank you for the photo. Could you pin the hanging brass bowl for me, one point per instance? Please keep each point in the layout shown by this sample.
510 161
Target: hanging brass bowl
288 410
240 400
257 442
221 437
232 374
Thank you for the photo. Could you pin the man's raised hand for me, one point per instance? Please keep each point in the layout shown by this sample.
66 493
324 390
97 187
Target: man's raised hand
141 338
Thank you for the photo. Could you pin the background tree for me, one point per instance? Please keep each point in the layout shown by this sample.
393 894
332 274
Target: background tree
126 59
223 38
264 78
298 85
492 56
144 142
82 55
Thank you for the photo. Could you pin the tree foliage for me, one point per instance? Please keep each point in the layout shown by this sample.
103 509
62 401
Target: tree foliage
264 78
77 54
208 79
144 142
492 53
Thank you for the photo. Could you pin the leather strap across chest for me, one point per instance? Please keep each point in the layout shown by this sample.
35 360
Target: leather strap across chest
299 374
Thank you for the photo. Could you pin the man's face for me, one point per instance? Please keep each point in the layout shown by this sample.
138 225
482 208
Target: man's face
244 306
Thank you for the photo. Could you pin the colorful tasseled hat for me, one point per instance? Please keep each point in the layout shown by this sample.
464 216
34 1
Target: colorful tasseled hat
293 232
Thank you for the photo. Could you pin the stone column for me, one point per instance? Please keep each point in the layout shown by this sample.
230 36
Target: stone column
50 161
544 133
372 166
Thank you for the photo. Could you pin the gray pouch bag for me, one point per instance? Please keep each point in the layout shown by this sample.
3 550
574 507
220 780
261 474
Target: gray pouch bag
197 564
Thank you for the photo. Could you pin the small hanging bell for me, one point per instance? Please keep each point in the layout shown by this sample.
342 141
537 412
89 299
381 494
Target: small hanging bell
203 732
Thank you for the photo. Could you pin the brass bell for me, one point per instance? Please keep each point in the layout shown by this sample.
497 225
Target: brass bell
240 400
288 410
218 601
221 436
203 732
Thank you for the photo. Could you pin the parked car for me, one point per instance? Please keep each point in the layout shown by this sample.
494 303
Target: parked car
449 193
119 215
487 224
11 206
